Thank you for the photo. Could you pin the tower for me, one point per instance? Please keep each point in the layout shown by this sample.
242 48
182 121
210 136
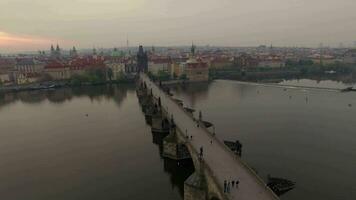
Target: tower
53 53
192 50
57 52
321 54
142 60
73 53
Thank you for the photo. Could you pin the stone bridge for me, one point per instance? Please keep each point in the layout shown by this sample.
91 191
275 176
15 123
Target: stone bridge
187 138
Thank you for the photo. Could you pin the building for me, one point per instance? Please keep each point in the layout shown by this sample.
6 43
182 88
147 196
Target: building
57 70
196 69
27 70
81 65
157 64
117 68
73 52
55 53
220 62
131 67
177 69
142 60
271 61
350 57
7 67
245 61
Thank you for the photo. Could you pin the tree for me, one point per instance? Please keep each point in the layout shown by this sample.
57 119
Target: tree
110 74
121 76
45 77
163 75
183 77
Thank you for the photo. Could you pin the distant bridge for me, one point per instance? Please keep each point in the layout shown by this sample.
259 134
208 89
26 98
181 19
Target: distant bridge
187 138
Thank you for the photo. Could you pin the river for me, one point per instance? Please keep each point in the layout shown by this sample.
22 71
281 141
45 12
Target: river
304 135
93 143
82 143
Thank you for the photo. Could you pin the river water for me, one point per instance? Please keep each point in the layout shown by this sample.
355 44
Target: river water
93 143
304 135
85 143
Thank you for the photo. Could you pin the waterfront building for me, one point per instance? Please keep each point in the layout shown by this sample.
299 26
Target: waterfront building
7 67
27 70
131 66
195 68
245 61
177 69
350 57
4 78
159 64
81 65
220 62
117 68
57 70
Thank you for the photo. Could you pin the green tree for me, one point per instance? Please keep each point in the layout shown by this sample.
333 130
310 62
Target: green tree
163 75
110 74
183 77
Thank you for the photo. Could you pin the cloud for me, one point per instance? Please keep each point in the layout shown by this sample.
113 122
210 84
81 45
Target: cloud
11 42
10 39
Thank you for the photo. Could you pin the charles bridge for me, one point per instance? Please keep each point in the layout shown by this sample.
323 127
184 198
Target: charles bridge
185 137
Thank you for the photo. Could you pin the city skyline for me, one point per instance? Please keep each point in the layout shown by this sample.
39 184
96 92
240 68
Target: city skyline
34 25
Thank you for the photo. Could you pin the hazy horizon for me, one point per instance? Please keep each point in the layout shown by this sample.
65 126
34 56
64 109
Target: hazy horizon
30 25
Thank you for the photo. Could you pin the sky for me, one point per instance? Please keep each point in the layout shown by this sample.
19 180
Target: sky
35 24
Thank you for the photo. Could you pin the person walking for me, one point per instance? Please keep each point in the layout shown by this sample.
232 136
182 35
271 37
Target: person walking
228 187
201 152
225 185
237 184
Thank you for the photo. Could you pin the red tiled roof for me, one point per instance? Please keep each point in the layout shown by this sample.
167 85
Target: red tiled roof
160 60
54 64
86 62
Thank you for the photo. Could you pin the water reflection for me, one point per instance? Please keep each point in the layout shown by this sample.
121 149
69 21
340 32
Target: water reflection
178 171
83 143
198 92
62 95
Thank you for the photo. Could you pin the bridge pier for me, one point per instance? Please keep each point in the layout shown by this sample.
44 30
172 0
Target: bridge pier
195 187
173 148
159 124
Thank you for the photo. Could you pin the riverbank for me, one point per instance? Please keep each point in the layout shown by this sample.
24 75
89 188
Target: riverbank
50 85
279 75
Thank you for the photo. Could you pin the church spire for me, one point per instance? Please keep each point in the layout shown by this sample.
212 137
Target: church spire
192 50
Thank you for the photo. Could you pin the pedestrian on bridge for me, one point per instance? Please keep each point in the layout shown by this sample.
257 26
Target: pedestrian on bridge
201 153
225 185
228 187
